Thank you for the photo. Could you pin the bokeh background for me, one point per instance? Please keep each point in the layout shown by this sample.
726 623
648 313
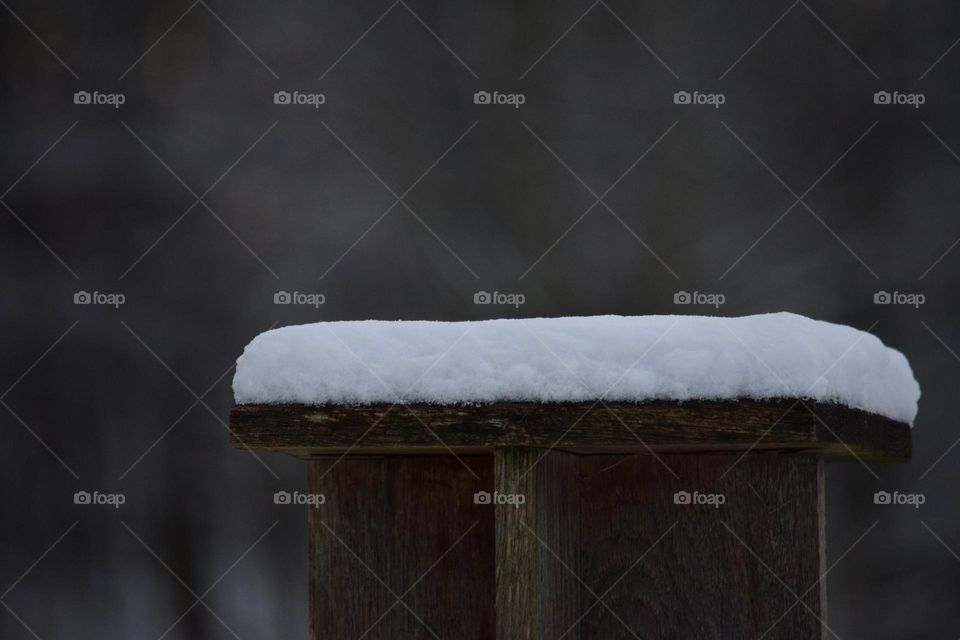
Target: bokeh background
199 198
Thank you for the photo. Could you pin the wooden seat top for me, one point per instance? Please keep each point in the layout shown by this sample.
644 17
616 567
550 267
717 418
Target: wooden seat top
836 431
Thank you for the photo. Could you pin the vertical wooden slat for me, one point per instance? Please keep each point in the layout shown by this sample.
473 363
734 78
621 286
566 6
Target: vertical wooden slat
821 516
537 543
517 553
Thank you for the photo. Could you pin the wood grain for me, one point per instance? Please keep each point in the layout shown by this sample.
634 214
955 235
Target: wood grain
600 549
391 519
603 551
537 544
836 431
679 571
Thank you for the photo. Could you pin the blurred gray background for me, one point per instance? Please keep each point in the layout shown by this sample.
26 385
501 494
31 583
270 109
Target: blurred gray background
133 399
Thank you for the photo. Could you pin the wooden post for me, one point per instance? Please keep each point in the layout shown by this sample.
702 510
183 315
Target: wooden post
700 520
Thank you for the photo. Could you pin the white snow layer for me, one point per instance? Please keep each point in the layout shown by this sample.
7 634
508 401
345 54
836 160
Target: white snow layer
616 358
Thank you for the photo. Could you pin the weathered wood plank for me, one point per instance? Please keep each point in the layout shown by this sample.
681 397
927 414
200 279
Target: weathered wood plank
836 431
537 543
390 519
669 570
602 549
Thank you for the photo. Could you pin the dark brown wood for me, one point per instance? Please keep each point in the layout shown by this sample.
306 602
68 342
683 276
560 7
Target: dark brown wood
668 570
836 431
398 520
537 543
603 549
600 547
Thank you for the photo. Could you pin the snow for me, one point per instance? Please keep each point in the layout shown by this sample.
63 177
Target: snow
616 358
